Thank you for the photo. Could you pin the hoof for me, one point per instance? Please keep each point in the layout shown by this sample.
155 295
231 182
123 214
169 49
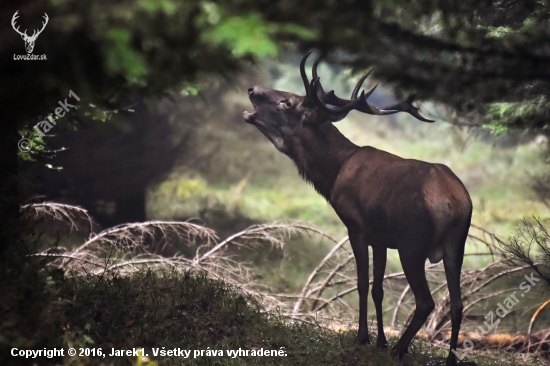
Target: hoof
382 344
396 352
363 339
407 360
450 362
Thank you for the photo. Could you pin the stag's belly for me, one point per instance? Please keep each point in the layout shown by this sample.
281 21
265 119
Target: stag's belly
395 225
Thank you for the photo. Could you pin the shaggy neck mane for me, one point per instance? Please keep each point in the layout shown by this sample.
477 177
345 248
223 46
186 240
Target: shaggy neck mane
319 153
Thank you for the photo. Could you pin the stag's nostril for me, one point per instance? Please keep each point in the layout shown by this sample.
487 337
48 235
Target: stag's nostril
250 90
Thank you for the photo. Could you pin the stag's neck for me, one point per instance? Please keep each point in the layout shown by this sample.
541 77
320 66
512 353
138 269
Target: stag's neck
319 153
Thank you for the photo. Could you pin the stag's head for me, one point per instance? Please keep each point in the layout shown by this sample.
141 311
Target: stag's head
279 115
29 40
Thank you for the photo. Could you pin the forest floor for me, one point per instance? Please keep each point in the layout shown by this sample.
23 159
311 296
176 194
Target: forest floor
207 321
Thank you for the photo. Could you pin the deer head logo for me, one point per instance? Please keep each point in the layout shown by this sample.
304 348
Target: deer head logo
29 40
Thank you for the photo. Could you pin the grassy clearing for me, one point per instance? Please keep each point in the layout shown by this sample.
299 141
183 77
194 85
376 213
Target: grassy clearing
155 308
106 292
171 310
253 181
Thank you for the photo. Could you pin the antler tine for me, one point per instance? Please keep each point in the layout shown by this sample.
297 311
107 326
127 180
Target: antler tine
339 108
13 20
358 86
321 98
43 25
406 106
303 73
314 68
320 90
365 107
313 87
371 90
360 103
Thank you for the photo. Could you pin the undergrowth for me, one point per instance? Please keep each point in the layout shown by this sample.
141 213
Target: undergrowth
164 309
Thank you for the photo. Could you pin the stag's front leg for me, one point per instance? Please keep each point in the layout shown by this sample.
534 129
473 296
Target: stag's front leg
361 252
379 255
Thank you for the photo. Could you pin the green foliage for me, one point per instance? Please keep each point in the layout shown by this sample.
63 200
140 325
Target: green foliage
120 57
434 49
35 145
249 34
497 32
166 6
191 88
527 114
497 128
243 35
496 64
514 35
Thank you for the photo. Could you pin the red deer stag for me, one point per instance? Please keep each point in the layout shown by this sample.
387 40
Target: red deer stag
423 210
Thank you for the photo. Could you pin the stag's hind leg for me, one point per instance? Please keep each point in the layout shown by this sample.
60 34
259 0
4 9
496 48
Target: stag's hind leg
452 260
413 266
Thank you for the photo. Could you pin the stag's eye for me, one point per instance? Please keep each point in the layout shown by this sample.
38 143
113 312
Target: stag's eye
285 103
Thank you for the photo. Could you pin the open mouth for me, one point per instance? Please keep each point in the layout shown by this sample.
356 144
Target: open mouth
250 117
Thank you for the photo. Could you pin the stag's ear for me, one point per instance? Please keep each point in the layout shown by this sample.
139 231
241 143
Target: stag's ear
308 117
315 115
336 117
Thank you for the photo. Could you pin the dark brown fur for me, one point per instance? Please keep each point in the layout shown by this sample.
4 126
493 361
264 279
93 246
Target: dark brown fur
423 210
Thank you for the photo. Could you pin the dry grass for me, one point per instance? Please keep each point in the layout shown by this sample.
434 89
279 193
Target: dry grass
125 250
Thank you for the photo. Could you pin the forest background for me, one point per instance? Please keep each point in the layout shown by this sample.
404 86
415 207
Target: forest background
157 136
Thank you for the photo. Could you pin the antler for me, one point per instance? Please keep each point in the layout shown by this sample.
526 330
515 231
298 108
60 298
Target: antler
339 108
35 33
43 26
13 19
